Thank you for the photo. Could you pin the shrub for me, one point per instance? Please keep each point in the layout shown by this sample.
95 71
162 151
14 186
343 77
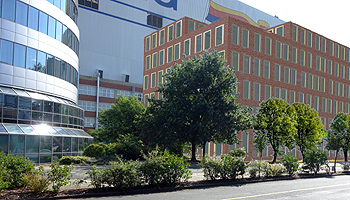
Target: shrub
36 180
68 160
96 176
232 167
290 162
96 150
313 160
122 175
59 175
345 167
257 168
164 169
3 183
13 169
273 170
211 167
129 147
239 152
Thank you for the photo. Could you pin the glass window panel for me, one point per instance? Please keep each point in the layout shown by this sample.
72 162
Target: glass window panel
19 56
2 129
32 143
6 52
10 101
25 103
43 18
48 106
59 31
66 144
52 27
74 144
57 3
33 18
219 35
41 62
21 13
37 105
65 109
9 113
57 144
45 158
63 70
45 144
8 9
47 117
4 143
17 144
64 35
50 65
57 67
31 59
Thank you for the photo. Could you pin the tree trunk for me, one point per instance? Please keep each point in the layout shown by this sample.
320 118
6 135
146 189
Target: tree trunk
335 162
274 157
193 152
203 149
346 155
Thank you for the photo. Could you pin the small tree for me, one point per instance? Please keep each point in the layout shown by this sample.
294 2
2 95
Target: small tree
260 142
341 127
314 159
290 162
334 142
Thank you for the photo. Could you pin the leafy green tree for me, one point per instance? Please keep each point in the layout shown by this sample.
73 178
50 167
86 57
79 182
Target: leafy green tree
277 120
341 125
309 127
119 120
334 142
199 104
314 159
260 142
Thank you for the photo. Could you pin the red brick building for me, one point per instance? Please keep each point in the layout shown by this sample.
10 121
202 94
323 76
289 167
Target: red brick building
287 61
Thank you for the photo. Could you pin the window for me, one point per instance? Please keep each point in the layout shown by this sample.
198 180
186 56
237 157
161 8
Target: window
153 80
348 55
301 97
329 106
277 92
235 61
21 13
8 10
187 47
336 50
198 43
177 51
161 57
19 56
318 63
302 57
347 91
309 99
235 34
277 72
342 71
245 38
336 69
257 42
295 33
309 60
322 84
257 67
170 33
331 48
89 3
219 31
347 110
257 91
329 67
267 69
335 107
246 64
222 54
317 83
342 53
191 26
317 42
286 74
33 16
161 37
148 43
293 79
323 65
246 89
348 73
302 36
278 49
170 54
145 83
279 31
87 105
284 94
303 79
154 40
106 92
148 62
207 39
316 103
341 106
87 90
294 55
292 97
285 52
309 39
268 46
331 85
160 77
31 60
267 92
178 29
154 60
324 104
323 45
146 100
311 81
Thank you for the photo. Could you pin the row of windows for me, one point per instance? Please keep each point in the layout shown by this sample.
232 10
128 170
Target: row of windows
67 6
89 3
320 43
155 40
31 17
106 92
91 106
26 57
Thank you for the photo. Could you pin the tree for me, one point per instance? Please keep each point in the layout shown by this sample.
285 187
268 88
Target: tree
334 142
277 120
260 142
120 120
199 104
341 125
309 127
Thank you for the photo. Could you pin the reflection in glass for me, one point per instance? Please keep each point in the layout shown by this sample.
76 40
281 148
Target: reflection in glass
66 144
6 52
32 143
63 70
4 143
45 144
31 59
81 144
65 109
41 66
57 118
64 35
52 27
48 106
56 157
8 9
45 158
74 144
59 31
21 13
50 61
17 143
57 67
25 103
47 117
57 108
24 114
19 56
37 105
9 113
57 144
43 22
33 16
10 101
34 158
37 116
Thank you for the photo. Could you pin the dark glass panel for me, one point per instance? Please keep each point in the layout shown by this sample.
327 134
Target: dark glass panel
43 18
45 144
74 144
10 101
19 56
56 157
17 144
25 103
37 116
4 143
48 106
41 66
31 59
66 144
63 70
57 108
47 117
6 52
9 113
34 157
32 143
65 109
50 65
45 158
57 118
57 144
37 105
21 13
64 119
64 35
81 144
24 115
57 67
33 18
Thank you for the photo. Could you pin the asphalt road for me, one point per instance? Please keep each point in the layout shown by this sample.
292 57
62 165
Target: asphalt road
337 187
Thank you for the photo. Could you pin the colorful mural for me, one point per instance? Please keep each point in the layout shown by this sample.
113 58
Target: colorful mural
217 11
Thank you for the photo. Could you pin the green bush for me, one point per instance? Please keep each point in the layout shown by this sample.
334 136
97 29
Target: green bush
122 175
59 175
211 167
164 169
313 160
273 170
96 176
128 148
96 150
257 168
345 167
290 162
68 160
12 170
36 181
239 152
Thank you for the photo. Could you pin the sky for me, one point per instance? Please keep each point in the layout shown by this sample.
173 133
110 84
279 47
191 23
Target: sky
327 18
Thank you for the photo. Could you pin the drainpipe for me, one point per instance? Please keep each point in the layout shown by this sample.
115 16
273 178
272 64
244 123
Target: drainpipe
97 98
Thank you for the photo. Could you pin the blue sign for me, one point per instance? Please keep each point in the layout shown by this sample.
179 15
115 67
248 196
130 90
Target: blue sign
170 4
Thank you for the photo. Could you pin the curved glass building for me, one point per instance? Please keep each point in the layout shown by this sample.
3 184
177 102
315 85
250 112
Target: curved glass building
39 46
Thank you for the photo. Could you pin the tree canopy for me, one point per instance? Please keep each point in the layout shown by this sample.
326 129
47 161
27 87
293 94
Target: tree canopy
199 104
341 127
